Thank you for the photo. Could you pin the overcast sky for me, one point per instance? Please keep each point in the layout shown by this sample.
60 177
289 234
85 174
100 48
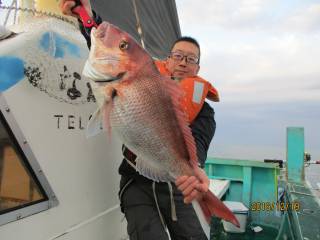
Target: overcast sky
264 58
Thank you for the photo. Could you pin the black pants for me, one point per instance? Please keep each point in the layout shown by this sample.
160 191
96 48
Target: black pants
138 204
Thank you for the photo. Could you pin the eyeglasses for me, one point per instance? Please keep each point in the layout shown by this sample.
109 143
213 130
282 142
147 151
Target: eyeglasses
178 56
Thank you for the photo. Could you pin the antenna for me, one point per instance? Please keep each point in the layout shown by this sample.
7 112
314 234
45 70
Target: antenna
139 28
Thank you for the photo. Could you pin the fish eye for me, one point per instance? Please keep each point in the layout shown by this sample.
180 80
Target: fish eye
124 45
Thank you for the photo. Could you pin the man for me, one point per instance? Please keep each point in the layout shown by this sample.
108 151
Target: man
149 207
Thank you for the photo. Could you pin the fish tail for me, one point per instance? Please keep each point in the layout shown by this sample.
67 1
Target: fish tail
211 205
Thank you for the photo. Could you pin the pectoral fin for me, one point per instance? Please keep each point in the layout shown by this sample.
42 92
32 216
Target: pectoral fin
95 124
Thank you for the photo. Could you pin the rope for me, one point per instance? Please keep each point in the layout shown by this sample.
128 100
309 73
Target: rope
8 13
139 28
34 12
173 206
124 187
157 204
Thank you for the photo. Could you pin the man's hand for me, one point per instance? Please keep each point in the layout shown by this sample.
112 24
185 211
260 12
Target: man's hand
193 187
67 5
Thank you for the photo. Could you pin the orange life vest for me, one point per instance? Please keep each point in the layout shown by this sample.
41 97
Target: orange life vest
196 90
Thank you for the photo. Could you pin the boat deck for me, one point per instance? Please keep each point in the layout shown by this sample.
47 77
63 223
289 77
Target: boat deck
266 234
313 177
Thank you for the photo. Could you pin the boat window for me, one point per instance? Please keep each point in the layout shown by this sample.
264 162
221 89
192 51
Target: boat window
19 186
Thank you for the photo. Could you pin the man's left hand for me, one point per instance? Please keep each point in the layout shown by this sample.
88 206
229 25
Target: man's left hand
193 187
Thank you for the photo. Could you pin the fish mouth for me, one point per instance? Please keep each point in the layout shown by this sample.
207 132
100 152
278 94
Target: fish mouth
118 77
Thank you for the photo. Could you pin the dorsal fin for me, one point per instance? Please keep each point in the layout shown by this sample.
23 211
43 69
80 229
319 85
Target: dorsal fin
177 94
95 124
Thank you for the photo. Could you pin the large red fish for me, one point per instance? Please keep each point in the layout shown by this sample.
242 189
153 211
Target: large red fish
143 108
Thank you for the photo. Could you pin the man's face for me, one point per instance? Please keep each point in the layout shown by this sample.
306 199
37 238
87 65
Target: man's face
181 68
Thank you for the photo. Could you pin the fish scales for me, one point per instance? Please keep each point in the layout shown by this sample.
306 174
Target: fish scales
145 120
